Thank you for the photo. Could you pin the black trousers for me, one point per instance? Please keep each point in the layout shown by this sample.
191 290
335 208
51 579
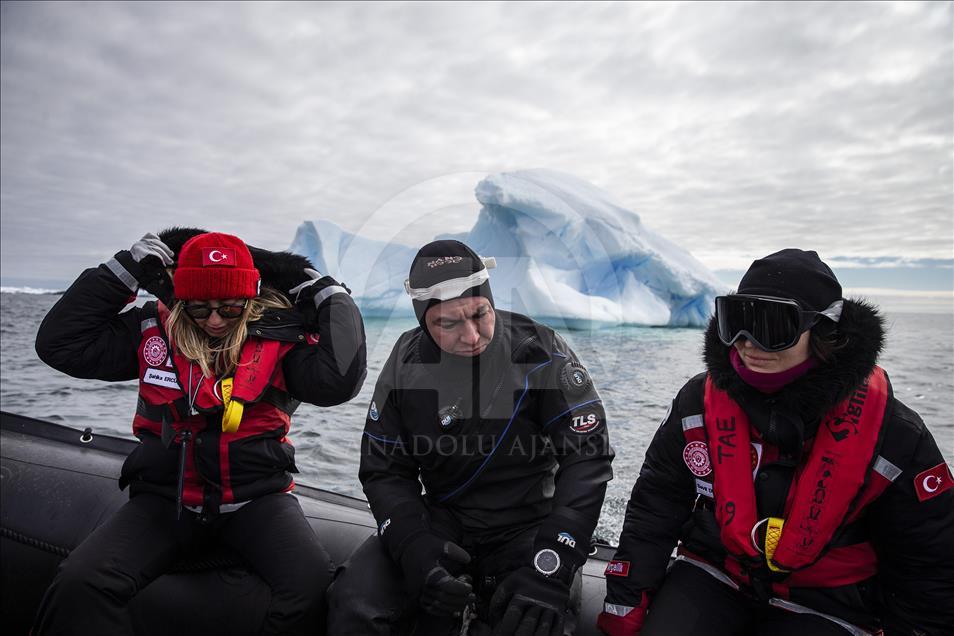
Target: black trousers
692 601
94 585
368 596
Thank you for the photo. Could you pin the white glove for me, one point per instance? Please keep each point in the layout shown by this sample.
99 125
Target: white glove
314 275
152 245
319 288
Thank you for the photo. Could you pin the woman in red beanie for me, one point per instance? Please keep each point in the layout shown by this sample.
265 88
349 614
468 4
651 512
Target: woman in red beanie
221 367
804 498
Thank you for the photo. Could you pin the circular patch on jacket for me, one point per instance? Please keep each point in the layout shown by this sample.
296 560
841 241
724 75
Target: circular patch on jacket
696 456
574 378
154 351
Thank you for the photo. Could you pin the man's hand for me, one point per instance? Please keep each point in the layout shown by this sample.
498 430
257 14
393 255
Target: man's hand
428 563
527 603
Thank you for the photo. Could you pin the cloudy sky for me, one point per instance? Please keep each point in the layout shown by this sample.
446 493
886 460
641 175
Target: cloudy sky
733 129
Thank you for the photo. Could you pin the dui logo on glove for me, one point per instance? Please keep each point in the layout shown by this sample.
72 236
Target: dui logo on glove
566 539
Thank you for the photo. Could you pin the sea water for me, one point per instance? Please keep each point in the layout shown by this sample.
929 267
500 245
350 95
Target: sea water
637 371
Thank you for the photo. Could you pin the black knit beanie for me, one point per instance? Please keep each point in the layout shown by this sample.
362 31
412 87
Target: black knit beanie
442 261
796 274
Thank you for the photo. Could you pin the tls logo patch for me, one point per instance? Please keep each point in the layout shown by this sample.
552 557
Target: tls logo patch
617 568
933 481
585 423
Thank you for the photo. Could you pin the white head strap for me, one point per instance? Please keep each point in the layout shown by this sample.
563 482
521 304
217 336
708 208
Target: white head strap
833 312
453 288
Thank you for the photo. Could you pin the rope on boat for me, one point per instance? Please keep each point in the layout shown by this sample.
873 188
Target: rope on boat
19 537
181 567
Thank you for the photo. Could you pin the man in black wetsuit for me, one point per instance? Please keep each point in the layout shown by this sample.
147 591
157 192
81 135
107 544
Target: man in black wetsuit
499 421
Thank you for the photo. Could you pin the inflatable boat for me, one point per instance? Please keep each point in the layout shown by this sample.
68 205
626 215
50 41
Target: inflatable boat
60 483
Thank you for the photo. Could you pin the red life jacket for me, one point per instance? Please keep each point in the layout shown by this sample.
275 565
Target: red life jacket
829 490
169 384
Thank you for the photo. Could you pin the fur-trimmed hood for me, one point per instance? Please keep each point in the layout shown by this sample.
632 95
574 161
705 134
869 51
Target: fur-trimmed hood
861 330
279 270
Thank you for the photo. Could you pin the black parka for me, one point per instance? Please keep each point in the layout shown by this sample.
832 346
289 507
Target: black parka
93 332
913 591
505 441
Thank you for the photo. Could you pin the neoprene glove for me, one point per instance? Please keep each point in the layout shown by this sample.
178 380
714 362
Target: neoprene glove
526 603
428 562
623 620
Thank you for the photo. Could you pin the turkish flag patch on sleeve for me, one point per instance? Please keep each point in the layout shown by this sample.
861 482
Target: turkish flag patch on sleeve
617 568
933 481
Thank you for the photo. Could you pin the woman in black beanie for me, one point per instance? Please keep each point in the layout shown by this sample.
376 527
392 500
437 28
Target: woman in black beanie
800 495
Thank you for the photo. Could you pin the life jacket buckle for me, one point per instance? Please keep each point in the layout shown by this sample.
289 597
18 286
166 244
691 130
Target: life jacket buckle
232 415
773 534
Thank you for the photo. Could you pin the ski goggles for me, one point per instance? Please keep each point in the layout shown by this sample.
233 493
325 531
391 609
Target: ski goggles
201 312
771 324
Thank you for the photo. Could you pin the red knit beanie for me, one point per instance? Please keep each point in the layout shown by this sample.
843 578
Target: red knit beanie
214 266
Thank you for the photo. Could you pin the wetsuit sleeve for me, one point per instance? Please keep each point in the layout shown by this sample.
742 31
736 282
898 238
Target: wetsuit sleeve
660 503
85 335
333 370
388 470
912 530
572 417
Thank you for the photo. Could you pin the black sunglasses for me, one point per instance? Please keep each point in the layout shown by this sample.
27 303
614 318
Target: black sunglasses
201 312
771 324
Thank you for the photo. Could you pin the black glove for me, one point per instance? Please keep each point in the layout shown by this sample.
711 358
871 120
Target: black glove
528 603
146 263
428 562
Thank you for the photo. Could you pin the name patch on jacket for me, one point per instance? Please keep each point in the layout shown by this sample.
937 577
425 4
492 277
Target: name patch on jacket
704 488
933 481
159 377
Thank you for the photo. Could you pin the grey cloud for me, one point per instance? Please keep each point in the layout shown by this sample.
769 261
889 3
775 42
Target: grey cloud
728 127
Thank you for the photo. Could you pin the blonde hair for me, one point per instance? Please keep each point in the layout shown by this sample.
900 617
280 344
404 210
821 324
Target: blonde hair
222 358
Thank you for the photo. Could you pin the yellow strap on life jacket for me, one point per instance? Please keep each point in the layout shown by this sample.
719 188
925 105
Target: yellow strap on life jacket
773 534
232 416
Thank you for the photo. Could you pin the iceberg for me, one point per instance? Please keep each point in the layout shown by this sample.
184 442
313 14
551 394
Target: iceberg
567 254
374 271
